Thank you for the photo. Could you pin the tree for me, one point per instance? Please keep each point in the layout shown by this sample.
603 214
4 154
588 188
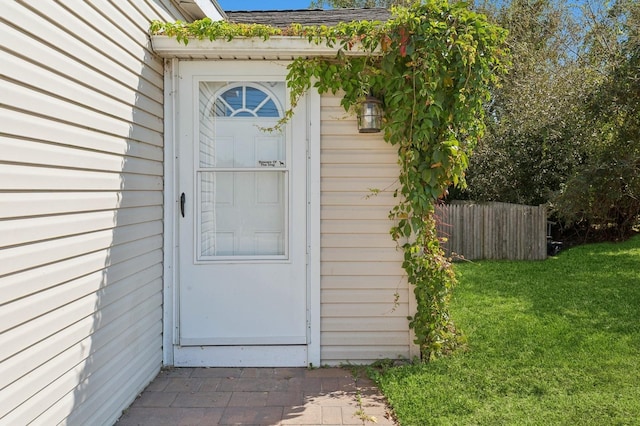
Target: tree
603 194
563 125
533 140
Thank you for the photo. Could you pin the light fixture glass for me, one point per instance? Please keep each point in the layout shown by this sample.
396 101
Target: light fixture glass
370 115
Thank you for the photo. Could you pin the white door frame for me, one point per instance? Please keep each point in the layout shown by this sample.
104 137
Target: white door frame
171 207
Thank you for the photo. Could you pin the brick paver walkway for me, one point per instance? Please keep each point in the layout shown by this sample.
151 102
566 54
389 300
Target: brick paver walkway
258 396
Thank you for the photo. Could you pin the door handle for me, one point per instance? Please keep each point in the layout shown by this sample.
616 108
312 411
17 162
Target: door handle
183 198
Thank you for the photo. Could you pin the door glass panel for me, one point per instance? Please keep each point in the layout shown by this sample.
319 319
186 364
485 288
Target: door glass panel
242 172
243 213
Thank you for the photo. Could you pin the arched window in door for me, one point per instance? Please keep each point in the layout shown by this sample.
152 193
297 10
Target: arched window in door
247 100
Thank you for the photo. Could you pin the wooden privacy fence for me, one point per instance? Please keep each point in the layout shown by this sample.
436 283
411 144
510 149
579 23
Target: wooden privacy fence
493 230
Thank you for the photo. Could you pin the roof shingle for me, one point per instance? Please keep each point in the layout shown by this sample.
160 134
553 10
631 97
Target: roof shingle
307 17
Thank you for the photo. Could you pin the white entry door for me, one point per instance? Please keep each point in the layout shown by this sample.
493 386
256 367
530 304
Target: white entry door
242 228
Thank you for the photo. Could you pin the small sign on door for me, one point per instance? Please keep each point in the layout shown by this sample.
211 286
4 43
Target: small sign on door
271 163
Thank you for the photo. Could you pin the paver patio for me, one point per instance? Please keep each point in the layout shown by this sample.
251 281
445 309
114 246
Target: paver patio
258 396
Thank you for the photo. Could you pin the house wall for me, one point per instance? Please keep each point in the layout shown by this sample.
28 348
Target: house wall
81 151
364 294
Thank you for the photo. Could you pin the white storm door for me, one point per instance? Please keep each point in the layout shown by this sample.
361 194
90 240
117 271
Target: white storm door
242 232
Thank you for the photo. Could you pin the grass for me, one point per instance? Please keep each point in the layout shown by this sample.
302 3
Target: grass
549 343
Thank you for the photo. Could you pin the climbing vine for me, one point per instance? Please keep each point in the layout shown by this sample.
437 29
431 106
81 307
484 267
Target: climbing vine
432 64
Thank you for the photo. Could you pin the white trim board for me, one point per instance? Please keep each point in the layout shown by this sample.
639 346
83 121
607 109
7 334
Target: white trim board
275 48
170 209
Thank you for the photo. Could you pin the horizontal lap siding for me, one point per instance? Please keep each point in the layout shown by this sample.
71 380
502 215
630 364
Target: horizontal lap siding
81 151
364 295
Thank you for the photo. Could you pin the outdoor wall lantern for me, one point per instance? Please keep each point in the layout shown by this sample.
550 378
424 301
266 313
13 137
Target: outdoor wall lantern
370 115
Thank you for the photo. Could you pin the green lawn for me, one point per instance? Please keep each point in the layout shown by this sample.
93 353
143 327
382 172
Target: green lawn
549 343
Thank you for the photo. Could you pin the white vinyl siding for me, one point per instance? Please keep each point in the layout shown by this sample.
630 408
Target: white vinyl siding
81 152
361 269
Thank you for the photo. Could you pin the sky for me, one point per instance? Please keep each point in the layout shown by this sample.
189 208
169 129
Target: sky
263 4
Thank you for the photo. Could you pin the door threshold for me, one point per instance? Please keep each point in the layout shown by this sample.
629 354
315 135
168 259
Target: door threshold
241 356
